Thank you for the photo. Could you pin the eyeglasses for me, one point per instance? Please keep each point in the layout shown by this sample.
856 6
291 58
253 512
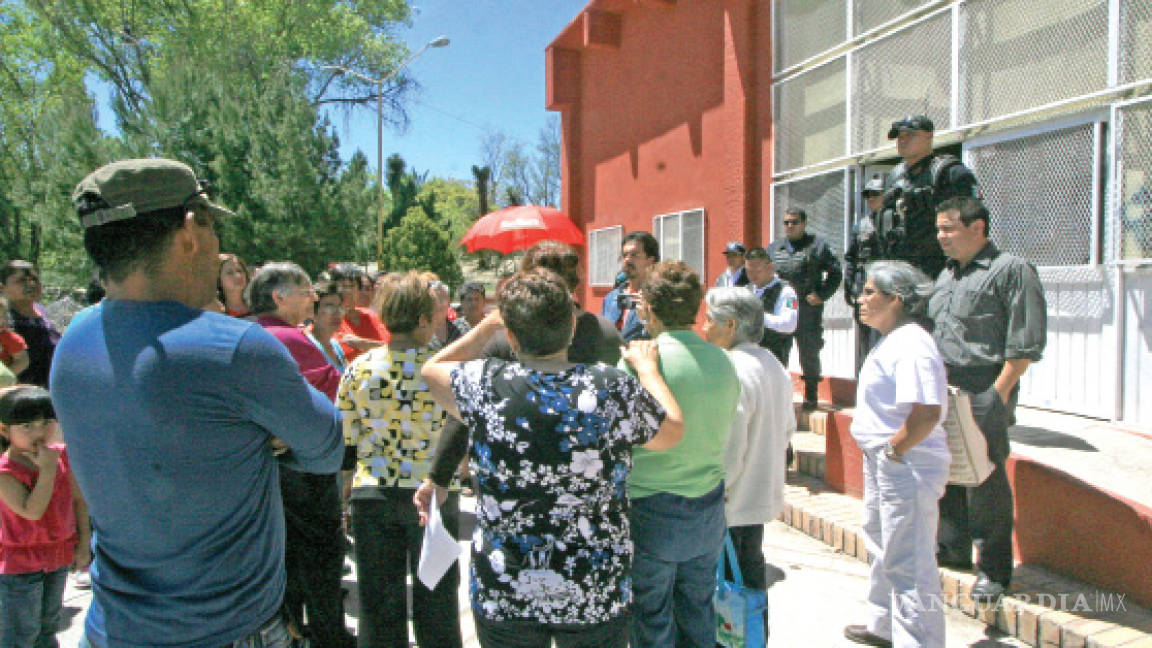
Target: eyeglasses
790 223
330 308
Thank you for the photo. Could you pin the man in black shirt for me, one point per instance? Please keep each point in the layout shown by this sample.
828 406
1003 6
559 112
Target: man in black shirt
805 261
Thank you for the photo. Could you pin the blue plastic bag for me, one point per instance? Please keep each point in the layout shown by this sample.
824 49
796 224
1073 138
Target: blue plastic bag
739 610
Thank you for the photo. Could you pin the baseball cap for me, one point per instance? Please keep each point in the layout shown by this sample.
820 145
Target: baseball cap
735 247
131 188
758 253
910 122
875 185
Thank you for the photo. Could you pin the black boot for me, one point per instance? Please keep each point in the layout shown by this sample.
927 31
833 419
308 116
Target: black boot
811 398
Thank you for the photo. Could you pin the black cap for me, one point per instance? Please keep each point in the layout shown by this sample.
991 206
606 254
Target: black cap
735 247
873 186
910 122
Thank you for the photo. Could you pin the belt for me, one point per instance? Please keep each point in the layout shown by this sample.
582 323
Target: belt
973 378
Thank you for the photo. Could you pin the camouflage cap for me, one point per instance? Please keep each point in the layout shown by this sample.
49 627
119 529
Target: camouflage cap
910 123
130 188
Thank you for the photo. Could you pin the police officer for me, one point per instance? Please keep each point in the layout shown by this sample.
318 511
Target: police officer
990 322
734 274
805 261
779 301
865 248
915 187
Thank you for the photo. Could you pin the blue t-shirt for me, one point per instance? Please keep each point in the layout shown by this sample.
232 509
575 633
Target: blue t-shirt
168 412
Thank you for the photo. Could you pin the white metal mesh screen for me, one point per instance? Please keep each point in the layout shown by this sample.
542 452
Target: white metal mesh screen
907 73
604 255
1135 40
869 14
822 198
1021 54
1039 192
810 110
1134 150
804 28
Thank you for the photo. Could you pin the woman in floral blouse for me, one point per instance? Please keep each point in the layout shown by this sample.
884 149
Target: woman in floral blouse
551 448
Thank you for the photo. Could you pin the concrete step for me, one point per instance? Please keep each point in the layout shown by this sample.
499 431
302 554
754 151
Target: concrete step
1041 609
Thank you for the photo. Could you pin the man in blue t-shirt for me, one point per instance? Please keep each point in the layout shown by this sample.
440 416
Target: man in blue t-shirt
168 412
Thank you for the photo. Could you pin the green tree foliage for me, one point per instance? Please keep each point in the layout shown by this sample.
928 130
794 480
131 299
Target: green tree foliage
233 88
419 243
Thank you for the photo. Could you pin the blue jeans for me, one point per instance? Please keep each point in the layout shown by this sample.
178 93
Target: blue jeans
30 608
678 541
273 634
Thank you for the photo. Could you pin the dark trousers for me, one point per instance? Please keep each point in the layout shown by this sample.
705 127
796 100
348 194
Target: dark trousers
388 537
809 338
314 556
30 607
748 541
982 514
532 634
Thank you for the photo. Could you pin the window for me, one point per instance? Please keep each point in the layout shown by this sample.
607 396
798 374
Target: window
604 255
681 237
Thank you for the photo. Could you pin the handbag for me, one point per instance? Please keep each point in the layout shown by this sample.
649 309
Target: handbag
739 610
969 449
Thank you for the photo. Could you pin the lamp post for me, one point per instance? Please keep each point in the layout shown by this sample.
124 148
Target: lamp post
439 41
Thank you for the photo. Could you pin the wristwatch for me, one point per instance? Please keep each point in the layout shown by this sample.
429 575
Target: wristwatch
891 454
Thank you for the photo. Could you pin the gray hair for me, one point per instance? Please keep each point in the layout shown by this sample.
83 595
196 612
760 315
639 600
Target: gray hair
280 277
741 305
902 281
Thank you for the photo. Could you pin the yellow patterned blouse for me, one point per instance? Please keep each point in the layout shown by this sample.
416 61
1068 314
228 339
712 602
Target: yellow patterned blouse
389 417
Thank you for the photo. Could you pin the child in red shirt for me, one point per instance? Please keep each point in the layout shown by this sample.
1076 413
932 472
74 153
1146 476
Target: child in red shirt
13 349
43 520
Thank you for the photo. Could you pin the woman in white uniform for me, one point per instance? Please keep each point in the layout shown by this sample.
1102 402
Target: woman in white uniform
901 397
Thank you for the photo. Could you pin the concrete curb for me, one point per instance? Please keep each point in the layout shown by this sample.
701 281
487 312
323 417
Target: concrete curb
1041 609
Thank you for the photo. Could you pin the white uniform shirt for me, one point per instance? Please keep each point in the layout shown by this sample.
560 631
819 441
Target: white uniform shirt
758 438
904 368
785 312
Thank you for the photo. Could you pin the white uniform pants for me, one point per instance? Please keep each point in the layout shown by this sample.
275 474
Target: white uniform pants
900 518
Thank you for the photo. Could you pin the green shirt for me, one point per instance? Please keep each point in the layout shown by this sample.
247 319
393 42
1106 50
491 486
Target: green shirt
703 381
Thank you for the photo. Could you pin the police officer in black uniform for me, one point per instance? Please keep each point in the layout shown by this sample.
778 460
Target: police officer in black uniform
865 247
915 187
805 261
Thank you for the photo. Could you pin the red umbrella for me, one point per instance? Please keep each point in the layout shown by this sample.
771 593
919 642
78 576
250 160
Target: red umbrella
518 227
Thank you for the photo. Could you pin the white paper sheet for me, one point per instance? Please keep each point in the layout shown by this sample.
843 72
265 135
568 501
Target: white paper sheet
440 549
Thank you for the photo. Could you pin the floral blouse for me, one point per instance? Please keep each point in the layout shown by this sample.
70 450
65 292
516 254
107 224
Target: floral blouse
552 452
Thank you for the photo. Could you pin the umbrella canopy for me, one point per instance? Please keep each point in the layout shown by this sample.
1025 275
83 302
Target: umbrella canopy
518 227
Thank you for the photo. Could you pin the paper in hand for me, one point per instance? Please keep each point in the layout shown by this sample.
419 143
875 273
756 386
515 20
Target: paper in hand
440 549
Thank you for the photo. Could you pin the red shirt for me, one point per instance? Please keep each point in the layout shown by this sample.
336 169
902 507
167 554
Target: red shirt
11 343
46 544
370 327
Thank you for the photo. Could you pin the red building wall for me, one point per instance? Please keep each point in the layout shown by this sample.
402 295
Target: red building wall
665 108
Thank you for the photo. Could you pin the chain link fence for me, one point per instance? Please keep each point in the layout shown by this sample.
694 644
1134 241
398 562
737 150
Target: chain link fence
909 72
822 198
1039 192
804 28
1135 40
1020 54
869 14
1132 233
809 111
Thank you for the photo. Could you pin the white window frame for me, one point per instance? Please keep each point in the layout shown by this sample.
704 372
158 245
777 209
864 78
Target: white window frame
598 238
661 221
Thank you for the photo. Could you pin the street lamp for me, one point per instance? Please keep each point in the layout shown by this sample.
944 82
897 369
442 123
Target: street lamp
439 41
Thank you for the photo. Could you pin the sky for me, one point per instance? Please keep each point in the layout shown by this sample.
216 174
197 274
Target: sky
491 77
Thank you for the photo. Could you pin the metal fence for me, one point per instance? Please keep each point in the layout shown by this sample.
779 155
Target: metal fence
810 110
909 72
1131 235
1021 54
808 28
1040 192
869 14
1135 40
